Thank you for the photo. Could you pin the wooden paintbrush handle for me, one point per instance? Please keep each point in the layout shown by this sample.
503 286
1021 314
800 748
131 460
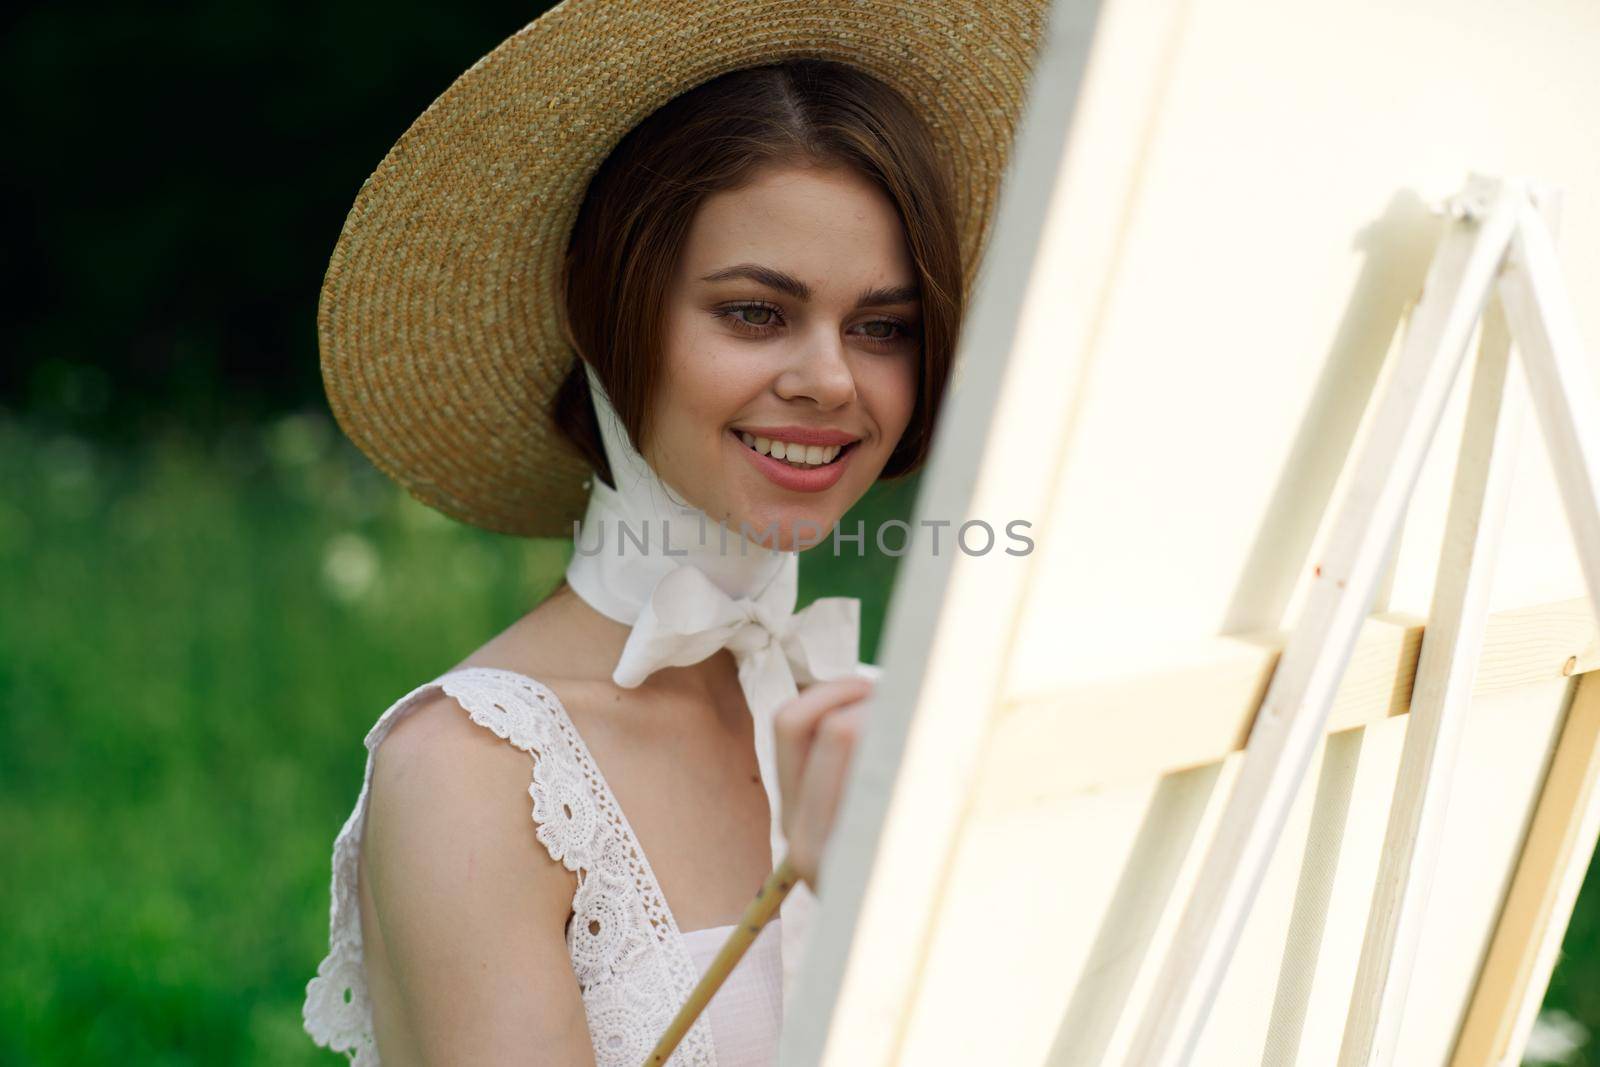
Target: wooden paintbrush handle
755 917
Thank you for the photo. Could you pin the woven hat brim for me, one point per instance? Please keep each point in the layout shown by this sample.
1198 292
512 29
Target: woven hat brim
440 340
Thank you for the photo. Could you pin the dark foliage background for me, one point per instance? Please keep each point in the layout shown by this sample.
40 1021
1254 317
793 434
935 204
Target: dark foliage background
174 179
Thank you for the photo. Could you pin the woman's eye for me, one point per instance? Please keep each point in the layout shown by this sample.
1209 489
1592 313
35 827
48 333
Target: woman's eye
756 316
760 320
886 331
750 318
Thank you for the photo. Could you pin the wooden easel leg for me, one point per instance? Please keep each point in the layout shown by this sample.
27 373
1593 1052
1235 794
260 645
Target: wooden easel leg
1555 857
1561 838
1560 381
1439 701
1293 713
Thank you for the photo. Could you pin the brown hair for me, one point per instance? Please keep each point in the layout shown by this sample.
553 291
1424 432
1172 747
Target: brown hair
636 215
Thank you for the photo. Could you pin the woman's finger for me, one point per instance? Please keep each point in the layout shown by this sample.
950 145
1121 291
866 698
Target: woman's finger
796 722
821 783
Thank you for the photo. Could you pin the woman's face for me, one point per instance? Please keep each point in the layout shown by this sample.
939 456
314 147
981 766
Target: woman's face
793 319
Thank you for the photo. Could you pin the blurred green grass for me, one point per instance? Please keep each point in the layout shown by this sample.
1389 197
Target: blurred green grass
193 642
194 639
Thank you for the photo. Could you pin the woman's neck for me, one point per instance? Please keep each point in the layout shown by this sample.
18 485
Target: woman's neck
592 643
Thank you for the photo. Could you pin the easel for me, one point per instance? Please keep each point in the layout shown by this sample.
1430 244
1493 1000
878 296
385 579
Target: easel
1499 238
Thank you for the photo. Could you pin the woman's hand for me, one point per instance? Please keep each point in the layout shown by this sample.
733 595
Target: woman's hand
816 735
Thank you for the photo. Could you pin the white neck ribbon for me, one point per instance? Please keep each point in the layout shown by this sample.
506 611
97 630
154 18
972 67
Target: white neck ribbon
688 586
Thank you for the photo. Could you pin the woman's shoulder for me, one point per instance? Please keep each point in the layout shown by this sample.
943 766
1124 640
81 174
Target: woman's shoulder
438 764
473 729
476 724
452 733
452 776
453 869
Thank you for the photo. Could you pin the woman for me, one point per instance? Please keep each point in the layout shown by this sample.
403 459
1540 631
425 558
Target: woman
763 282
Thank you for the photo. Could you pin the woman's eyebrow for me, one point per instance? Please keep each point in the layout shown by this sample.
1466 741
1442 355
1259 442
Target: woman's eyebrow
788 283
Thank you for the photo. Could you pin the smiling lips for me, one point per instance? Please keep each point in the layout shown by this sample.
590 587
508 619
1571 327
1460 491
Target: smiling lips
797 458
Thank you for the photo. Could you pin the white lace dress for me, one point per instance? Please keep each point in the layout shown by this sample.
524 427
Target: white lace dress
633 964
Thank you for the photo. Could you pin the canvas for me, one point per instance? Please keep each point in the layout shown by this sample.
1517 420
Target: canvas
1208 260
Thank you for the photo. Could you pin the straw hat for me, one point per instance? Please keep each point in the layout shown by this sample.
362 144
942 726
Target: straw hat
440 336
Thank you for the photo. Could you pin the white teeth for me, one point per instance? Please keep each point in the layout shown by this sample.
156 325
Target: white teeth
792 453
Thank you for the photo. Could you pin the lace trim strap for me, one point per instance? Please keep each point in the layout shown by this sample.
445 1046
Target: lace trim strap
626 950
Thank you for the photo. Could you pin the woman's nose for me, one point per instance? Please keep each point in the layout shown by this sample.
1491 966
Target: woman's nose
820 372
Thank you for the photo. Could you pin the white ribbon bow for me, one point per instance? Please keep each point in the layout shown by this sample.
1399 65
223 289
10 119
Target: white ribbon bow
688 618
